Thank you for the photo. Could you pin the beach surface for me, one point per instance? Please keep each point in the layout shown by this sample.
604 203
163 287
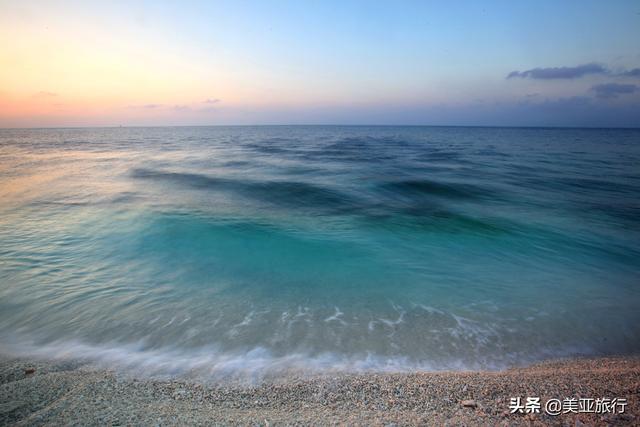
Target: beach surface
35 392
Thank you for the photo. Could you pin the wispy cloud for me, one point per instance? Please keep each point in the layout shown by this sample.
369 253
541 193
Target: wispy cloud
44 94
181 108
560 72
208 110
147 106
194 107
613 90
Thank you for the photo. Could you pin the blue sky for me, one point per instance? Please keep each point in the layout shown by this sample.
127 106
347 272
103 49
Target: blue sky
344 62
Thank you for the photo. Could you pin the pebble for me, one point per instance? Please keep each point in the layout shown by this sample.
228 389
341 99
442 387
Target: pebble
470 403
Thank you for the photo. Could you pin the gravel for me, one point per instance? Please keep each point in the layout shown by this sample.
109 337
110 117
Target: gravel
35 392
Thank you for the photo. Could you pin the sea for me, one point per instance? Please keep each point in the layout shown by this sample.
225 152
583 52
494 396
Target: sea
249 252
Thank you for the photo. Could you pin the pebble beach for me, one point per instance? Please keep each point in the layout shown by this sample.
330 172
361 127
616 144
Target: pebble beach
37 392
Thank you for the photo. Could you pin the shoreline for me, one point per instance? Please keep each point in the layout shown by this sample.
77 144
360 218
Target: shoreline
70 393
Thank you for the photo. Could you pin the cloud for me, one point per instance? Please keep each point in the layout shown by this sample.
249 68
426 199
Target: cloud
208 110
631 73
613 90
147 106
552 73
44 94
193 107
560 72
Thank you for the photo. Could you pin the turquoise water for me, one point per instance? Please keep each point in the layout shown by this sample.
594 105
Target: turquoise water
245 251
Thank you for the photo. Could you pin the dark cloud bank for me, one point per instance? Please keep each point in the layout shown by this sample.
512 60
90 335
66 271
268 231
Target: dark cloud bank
613 90
553 73
559 72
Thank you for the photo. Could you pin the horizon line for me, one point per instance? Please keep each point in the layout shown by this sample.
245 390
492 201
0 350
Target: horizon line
321 125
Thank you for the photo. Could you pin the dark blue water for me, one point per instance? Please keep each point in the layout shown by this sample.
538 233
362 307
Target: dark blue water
249 250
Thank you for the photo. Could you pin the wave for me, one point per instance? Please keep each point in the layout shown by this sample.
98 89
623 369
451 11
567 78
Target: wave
190 179
289 194
424 187
400 202
250 366
360 144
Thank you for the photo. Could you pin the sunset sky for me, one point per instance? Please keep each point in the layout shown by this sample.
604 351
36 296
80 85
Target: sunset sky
537 63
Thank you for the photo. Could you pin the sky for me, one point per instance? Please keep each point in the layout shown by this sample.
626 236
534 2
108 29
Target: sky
500 63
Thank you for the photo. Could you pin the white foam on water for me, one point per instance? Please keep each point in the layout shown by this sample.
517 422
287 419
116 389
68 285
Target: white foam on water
429 309
245 322
303 312
445 341
337 316
210 363
170 322
392 324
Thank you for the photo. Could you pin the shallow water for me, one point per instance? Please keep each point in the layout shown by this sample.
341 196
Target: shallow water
249 250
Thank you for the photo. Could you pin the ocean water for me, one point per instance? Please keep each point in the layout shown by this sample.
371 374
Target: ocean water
248 251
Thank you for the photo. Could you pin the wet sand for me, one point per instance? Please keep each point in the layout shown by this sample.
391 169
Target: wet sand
34 392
